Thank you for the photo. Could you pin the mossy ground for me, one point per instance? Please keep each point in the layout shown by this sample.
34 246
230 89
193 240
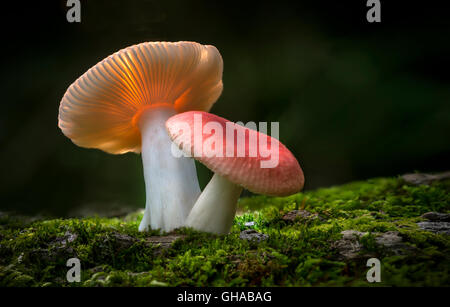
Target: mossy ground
298 253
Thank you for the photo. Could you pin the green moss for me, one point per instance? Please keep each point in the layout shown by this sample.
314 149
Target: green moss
297 253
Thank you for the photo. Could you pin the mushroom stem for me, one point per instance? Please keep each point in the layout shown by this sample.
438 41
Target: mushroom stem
215 208
171 183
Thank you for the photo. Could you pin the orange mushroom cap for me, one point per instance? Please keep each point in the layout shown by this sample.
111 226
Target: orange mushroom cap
100 109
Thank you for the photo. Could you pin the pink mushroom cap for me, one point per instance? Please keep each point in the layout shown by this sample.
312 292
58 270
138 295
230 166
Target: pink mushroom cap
285 178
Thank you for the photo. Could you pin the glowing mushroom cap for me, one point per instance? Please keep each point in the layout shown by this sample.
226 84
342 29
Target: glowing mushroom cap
100 109
284 178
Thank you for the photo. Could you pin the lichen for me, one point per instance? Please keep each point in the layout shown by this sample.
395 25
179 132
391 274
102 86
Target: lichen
295 251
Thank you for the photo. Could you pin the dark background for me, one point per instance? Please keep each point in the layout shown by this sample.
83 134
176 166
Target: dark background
354 100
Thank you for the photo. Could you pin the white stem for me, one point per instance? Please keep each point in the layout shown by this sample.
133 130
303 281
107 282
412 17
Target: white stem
215 208
171 183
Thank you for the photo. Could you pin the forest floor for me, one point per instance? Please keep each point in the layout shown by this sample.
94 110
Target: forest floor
318 238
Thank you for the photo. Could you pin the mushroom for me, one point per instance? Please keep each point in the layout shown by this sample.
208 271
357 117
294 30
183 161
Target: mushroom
255 161
122 103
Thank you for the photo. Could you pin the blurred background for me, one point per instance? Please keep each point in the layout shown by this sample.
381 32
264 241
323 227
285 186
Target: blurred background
354 100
